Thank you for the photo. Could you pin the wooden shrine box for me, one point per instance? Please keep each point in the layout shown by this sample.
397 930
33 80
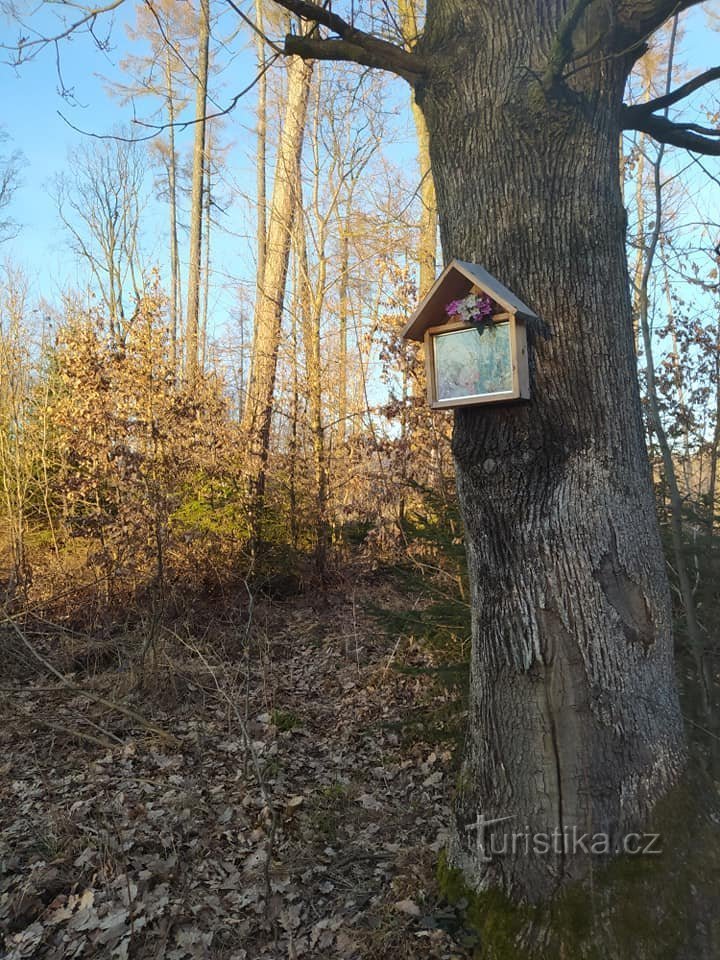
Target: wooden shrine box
469 363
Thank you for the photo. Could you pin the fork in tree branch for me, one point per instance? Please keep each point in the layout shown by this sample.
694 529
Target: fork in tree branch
350 44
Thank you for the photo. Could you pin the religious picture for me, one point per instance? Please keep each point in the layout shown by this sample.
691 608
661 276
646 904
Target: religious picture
473 362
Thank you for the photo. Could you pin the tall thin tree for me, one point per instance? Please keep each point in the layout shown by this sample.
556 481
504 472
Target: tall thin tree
257 411
192 311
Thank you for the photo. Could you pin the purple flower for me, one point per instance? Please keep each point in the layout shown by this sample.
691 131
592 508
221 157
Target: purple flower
475 308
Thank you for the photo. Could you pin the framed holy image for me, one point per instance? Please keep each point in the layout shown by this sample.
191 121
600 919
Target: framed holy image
471 364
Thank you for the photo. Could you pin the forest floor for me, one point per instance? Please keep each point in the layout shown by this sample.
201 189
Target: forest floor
266 791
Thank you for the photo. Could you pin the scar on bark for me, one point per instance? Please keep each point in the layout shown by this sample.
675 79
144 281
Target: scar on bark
557 646
627 598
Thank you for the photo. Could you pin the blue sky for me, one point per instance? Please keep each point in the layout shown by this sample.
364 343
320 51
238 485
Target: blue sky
31 115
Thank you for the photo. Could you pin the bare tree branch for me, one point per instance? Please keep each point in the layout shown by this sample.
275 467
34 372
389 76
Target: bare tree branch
669 99
25 48
354 45
82 691
158 128
10 179
690 136
254 27
315 13
331 49
676 134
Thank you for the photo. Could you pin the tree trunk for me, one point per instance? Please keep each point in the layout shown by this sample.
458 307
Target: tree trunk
196 203
343 311
261 147
574 718
311 306
656 425
207 227
257 413
298 289
427 246
715 446
16 462
175 293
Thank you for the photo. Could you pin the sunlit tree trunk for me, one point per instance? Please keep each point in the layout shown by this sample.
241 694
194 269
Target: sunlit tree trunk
311 304
16 464
175 281
196 204
257 414
207 228
294 442
343 313
427 247
261 146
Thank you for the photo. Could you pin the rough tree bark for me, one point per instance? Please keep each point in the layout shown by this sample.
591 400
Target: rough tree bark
574 716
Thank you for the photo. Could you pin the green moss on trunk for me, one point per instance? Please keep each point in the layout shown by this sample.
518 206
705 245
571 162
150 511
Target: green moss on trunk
629 908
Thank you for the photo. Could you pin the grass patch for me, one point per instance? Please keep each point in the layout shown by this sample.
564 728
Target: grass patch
285 720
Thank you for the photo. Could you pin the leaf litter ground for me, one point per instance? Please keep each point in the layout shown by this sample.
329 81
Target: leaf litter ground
288 817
